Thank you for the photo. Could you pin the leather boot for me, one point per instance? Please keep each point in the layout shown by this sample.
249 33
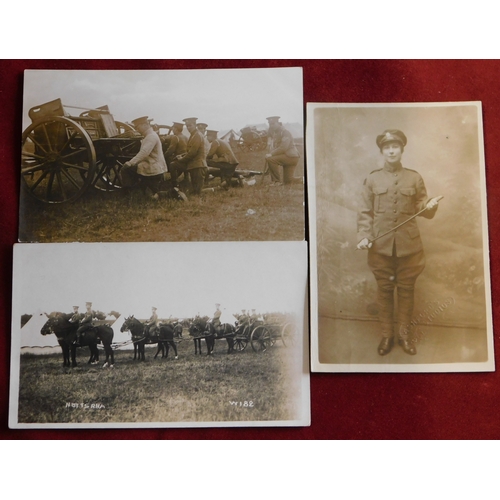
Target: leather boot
405 312
385 299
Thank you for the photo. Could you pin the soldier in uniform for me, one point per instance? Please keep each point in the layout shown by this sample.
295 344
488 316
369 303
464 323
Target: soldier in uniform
148 165
194 160
177 145
85 323
75 318
153 323
216 319
283 152
221 159
391 195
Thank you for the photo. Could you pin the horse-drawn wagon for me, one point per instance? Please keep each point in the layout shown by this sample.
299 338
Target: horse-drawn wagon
63 155
273 328
262 334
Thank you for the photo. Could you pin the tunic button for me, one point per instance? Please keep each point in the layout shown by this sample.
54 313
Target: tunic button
395 201
395 211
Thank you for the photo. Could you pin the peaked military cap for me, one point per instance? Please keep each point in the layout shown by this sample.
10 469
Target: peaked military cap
189 120
392 135
273 119
88 304
178 125
143 120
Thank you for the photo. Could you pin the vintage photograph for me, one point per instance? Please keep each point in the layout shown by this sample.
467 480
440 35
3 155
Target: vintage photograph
163 335
399 238
162 155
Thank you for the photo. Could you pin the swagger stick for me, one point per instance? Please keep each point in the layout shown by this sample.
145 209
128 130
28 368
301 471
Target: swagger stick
437 198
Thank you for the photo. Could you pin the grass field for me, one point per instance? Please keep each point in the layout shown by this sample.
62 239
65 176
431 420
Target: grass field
258 212
242 386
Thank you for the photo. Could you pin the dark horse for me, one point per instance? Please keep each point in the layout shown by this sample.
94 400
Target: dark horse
65 331
203 329
141 336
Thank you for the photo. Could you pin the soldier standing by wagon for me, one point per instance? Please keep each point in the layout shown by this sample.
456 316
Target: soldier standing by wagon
391 196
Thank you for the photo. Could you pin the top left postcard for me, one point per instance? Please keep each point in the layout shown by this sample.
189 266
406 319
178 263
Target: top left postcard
162 155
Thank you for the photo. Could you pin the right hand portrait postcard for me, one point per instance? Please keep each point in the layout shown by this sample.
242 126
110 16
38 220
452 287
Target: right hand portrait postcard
400 278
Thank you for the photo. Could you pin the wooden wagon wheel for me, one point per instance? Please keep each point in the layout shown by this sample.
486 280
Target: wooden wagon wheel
108 175
58 160
260 339
240 343
288 334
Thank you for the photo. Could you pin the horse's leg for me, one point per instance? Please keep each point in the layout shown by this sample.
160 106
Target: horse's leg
73 355
135 350
230 345
174 347
158 349
109 354
142 353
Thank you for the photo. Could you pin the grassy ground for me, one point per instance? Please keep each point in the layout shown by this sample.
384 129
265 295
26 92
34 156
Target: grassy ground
241 386
258 212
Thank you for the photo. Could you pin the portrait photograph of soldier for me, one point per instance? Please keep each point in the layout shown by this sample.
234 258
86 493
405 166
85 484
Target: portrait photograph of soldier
162 155
399 240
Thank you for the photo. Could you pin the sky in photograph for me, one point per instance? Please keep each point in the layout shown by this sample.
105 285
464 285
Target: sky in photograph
223 98
180 279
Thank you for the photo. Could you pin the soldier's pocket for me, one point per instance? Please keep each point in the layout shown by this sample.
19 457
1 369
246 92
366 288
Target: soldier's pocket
408 200
380 199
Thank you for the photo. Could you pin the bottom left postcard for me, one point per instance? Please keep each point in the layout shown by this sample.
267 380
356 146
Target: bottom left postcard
114 335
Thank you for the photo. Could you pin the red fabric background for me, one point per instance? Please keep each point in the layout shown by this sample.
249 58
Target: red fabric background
344 406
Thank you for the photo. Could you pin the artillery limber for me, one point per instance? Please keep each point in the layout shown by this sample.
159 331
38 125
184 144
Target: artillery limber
63 155
272 328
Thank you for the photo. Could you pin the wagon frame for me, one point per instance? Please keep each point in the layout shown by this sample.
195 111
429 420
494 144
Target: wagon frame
64 155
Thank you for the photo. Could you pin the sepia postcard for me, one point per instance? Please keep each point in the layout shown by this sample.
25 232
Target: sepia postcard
162 155
160 335
400 277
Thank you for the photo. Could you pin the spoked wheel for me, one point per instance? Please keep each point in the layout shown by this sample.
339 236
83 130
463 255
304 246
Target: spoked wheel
240 343
108 175
260 339
58 160
289 335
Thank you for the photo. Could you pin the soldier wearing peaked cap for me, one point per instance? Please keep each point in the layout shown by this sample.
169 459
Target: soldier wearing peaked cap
177 145
283 152
221 159
193 161
148 165
392 195
85 322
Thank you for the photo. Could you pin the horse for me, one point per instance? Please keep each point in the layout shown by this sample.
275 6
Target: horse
164 345
141 336
202 329
65 332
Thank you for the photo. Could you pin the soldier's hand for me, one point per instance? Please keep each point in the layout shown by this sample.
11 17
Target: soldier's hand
364 244
433 202
127 164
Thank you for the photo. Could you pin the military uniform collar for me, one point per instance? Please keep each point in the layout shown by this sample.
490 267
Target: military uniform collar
395 167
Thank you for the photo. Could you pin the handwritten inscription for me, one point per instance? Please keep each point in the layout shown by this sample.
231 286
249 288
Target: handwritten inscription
86 406
245 404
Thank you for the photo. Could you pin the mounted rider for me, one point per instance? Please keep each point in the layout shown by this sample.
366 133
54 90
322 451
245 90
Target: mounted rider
153 324
216 319
85 323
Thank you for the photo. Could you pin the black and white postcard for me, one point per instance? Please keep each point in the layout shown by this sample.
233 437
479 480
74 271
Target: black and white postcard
160 335
400 276
162 155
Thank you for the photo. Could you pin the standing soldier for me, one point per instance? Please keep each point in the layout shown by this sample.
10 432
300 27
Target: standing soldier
221 159
391 196
148 165
283 152
194 160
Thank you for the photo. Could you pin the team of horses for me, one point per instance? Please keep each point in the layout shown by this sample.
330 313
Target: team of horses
165 336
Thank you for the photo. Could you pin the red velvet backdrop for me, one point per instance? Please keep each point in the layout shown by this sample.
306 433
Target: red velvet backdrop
344 406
